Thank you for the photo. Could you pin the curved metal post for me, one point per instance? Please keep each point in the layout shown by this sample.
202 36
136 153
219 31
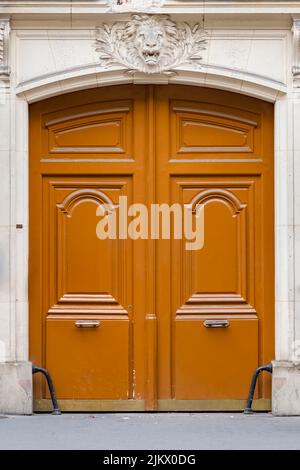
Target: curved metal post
267 368
56 409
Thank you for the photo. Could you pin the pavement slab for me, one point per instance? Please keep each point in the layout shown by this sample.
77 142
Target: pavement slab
151 431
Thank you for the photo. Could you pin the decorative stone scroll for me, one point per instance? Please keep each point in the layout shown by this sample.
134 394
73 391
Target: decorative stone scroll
296 43
150 44
4 36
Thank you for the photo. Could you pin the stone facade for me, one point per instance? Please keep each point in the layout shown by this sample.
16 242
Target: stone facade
48 49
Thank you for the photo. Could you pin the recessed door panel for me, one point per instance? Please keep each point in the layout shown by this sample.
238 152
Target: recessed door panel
212 359
86 273
219 276
88 131
89 357
211 130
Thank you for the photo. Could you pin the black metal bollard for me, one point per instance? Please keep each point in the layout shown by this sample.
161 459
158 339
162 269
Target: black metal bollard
268 368
35 369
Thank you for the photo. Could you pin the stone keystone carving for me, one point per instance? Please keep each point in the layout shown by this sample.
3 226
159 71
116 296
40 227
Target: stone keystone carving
149 44
135 5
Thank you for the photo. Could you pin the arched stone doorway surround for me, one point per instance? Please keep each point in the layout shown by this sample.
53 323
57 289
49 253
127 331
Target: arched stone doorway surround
14 102
223 79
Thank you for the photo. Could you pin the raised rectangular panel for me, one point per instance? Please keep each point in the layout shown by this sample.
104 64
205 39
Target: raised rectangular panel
106 131
221 133
219 277
86 274
88 362
216 362
195 136
101 136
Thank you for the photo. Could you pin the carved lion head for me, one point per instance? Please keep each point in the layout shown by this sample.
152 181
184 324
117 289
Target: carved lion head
149 43
150 38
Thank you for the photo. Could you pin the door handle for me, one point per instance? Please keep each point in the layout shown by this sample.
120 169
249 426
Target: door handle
216 323
87 323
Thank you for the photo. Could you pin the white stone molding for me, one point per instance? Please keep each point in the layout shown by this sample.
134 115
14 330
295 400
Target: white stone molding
296 46
284 227
259 58
4 39
87 7
43 87
134 5
150 44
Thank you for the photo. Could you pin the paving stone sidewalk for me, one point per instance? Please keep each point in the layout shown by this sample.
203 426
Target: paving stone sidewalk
150 431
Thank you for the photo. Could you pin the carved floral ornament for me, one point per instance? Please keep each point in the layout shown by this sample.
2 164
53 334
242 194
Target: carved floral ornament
150 44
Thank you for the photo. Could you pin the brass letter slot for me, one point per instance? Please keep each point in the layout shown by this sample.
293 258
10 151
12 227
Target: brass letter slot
216 323
87 323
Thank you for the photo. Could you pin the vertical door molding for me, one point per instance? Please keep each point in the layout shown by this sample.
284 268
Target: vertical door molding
151 317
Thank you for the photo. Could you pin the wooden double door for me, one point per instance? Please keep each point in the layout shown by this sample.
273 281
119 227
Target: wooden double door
125 324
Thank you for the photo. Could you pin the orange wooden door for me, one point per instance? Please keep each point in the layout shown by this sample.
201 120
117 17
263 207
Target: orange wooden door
120 323
216 149
86 294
